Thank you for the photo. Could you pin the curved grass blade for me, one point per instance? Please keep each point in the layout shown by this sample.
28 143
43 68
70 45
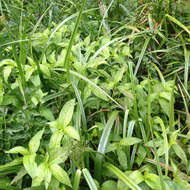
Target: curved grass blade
103 47
89 179
160 74
80 105
103 144
66 60
178 23
122 176
141 55
105 135
103 22
40 19
93 84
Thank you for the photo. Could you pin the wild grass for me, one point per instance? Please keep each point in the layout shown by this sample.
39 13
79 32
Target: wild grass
94 95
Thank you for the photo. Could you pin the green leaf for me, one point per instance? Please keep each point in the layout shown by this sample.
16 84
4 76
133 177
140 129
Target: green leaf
119 74
60 174
122 158
128 141
77 177
178 23
141 55
165 106
66 113
103 145
122 176
89 179
47 113
7 72
153 181
43 174
99 94
8 62
19 175
135 176
106 133
35 141
109 185
71 131
165 145
45 70
180 153
11 164
18 149
1 91
30 165
55 140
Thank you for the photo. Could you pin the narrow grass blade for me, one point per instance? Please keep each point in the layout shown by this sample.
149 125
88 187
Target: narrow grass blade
171 118
185 104
66 60
77 180
40 19
103 47
178 23
186 71
159 73
105 13
81 106
93 84
185 90
103 144
11 164
105 135
141 55
125 123
89 179
130 130
122 176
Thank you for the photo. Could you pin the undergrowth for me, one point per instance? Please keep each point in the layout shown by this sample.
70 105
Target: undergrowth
94 95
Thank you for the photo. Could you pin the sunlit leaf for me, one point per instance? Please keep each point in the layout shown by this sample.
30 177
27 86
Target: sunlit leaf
71 131
35 141
18 149
30 165
66 113
60 174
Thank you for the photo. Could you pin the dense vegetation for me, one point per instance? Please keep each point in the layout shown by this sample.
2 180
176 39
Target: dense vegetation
94 94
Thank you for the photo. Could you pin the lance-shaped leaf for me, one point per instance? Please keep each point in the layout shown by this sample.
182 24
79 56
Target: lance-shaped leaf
66 113
35 141
18 149
60 174
128 141
55 140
